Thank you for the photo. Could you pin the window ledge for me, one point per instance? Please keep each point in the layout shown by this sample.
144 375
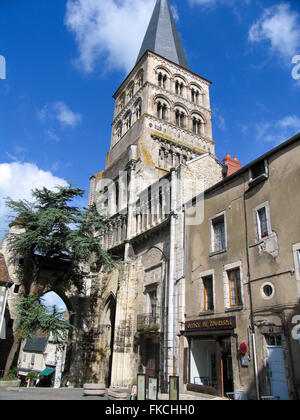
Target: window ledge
211 254
234 308
254 181
203 313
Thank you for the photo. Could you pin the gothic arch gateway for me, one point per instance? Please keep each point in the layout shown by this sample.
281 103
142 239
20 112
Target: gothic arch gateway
107 325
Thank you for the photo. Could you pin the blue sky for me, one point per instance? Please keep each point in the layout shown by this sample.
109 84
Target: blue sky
65 59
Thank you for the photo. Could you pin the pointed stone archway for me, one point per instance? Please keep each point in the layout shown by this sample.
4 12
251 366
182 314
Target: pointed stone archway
107 339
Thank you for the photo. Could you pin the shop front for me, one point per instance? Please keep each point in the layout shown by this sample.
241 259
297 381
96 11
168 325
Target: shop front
208 359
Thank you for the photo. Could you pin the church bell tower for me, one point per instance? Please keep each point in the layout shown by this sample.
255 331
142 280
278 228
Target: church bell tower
162 114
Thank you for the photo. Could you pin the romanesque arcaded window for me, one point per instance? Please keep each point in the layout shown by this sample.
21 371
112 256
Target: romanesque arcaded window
119 131
197 126
121 102
140 79
162 80
180 118
161 110
138 109
179 87
195 96
130 91
128 120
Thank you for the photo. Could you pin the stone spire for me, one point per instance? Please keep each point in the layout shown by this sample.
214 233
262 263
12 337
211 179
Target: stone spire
162 36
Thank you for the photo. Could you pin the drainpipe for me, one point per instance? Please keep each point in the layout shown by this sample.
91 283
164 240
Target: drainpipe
171 285
252 325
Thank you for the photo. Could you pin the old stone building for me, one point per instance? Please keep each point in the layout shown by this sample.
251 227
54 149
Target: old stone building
207 253
242 281
162 153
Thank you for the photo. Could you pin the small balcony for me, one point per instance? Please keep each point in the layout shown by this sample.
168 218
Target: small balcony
148 323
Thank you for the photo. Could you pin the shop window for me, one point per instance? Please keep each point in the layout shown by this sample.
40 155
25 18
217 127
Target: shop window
218 234
203 366
208 297
235 291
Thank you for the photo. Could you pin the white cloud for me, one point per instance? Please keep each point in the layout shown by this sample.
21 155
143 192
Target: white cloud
17 180
211 4
66 116
110 29
60 112
278 131
280 27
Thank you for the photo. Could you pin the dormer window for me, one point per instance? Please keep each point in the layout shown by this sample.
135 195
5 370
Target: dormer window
258 172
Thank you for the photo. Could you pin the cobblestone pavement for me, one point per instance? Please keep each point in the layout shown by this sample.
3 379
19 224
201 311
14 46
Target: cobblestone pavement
46 394
12 393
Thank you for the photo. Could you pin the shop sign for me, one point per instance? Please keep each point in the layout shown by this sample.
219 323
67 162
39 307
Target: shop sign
211 324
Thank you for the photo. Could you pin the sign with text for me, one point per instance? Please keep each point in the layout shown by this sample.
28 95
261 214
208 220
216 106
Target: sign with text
141 387
152 388
173 388
211 324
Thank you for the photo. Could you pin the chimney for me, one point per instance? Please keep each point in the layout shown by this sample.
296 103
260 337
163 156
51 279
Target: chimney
230 165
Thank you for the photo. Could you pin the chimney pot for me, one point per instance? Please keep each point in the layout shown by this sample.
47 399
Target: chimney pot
233 164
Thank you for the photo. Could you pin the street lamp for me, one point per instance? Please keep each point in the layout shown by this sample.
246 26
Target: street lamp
5 284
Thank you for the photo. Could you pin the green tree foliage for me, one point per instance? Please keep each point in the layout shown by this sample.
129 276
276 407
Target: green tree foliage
35 318
47 231
50 229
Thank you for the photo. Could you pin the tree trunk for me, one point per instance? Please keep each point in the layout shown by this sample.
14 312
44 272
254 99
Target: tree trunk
11 356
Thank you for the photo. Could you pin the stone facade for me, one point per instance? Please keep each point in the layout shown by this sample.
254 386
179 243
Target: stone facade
242 282
161 150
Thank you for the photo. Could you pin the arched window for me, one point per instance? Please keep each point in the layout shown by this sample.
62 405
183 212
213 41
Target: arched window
195 96
162 79
130 91
180 118
161 110
197 125
138 109
179 87
140 79
128 120
118 132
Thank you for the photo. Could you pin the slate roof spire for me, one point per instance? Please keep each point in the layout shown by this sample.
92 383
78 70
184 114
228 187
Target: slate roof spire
162 35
